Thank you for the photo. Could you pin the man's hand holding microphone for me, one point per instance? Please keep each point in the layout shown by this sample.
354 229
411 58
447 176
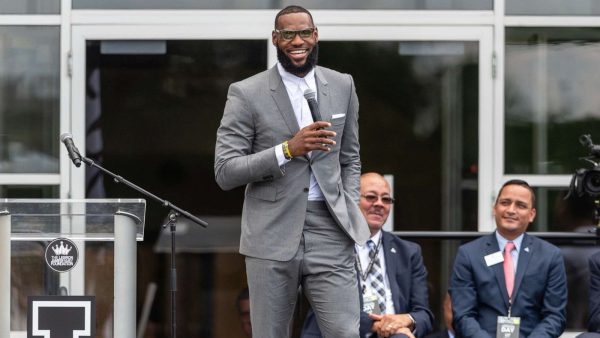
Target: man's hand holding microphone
312 137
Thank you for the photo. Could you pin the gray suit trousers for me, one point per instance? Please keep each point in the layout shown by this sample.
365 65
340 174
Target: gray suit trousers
323 265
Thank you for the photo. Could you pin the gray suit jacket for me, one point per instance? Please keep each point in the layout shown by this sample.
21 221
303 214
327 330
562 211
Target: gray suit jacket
259 116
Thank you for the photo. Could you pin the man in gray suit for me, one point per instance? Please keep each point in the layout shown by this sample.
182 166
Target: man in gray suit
300 218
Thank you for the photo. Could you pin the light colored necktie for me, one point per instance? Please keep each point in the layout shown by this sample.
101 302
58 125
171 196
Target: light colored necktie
376 276
509 268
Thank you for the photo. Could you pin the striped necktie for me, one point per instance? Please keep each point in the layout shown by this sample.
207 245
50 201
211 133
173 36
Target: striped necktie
376 276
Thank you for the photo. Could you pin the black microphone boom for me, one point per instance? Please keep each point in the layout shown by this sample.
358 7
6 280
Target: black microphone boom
311 96
74 155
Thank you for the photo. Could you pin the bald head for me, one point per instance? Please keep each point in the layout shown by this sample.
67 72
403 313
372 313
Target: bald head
373 176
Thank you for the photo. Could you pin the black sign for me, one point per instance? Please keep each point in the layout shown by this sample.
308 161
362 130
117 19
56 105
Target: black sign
62 255
61 317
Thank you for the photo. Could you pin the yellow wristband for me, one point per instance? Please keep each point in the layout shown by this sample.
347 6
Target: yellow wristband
286 151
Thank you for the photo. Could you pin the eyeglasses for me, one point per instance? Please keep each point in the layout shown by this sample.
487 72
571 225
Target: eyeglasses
290 35
372 198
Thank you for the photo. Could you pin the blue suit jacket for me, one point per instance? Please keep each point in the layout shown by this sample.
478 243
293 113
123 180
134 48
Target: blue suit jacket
594 314
408 283
479 293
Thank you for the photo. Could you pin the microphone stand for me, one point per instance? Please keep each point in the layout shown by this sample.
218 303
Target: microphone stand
174 212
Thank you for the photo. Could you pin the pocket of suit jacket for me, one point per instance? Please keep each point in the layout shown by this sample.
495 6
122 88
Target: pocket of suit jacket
263 191
337 119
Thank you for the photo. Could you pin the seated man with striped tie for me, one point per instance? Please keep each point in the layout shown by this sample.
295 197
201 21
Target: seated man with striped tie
391 273
509 283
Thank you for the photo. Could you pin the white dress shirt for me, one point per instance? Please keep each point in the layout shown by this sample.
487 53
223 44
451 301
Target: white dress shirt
295 87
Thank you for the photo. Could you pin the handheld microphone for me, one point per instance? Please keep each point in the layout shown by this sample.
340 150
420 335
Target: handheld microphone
74 155
311 96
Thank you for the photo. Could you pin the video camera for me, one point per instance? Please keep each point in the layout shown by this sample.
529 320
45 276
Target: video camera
586 182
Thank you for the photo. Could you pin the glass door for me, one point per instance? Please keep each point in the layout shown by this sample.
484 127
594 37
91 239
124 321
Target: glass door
147 101
425 117
426 120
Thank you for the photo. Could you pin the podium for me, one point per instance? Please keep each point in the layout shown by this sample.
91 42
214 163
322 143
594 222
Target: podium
109 225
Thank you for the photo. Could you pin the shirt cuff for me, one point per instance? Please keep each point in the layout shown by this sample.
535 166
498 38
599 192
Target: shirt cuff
281 160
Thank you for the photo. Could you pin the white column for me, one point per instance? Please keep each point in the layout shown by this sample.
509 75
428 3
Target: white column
125 272
5 275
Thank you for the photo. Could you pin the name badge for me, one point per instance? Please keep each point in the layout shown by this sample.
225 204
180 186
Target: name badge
493 259
371 304
508 327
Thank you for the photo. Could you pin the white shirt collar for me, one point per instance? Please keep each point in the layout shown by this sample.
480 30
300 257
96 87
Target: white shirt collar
502 241
365 248
375 237
289 78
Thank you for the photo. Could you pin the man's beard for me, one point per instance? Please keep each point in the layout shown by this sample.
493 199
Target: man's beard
289 66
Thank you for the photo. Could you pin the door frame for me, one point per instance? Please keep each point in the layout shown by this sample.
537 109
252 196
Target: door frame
256 25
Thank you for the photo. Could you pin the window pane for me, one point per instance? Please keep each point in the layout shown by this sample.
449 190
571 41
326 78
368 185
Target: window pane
266 4
555 213
29 99
551 98
29 191
552 7
30 7
418 122
398 4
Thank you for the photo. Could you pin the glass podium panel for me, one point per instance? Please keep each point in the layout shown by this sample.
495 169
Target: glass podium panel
86 219
104 235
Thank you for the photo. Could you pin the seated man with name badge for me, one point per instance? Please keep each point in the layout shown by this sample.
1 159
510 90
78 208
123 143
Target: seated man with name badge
509 284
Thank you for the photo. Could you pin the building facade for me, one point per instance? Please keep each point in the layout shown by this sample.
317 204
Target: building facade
456 97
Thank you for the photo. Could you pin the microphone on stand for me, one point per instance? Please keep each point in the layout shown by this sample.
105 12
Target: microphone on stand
74 155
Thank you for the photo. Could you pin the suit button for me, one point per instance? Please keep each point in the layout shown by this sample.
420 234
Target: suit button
305 189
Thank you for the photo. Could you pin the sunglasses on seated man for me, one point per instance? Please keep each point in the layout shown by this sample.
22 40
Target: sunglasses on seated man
372 198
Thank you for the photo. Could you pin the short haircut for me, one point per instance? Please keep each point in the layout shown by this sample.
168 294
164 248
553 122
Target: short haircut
519 183
293 9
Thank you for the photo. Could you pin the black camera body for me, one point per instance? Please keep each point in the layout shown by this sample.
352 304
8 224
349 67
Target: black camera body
586 182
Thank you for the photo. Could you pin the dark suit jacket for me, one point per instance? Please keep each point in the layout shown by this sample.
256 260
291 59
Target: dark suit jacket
439 334
479 293
408 283
594 314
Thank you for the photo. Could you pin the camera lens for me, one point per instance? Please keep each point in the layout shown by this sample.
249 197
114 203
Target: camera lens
591 182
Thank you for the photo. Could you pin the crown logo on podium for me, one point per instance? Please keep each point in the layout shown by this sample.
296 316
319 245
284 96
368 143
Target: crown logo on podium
61 250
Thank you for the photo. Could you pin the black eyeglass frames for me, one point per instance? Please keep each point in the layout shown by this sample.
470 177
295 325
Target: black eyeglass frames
291 34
